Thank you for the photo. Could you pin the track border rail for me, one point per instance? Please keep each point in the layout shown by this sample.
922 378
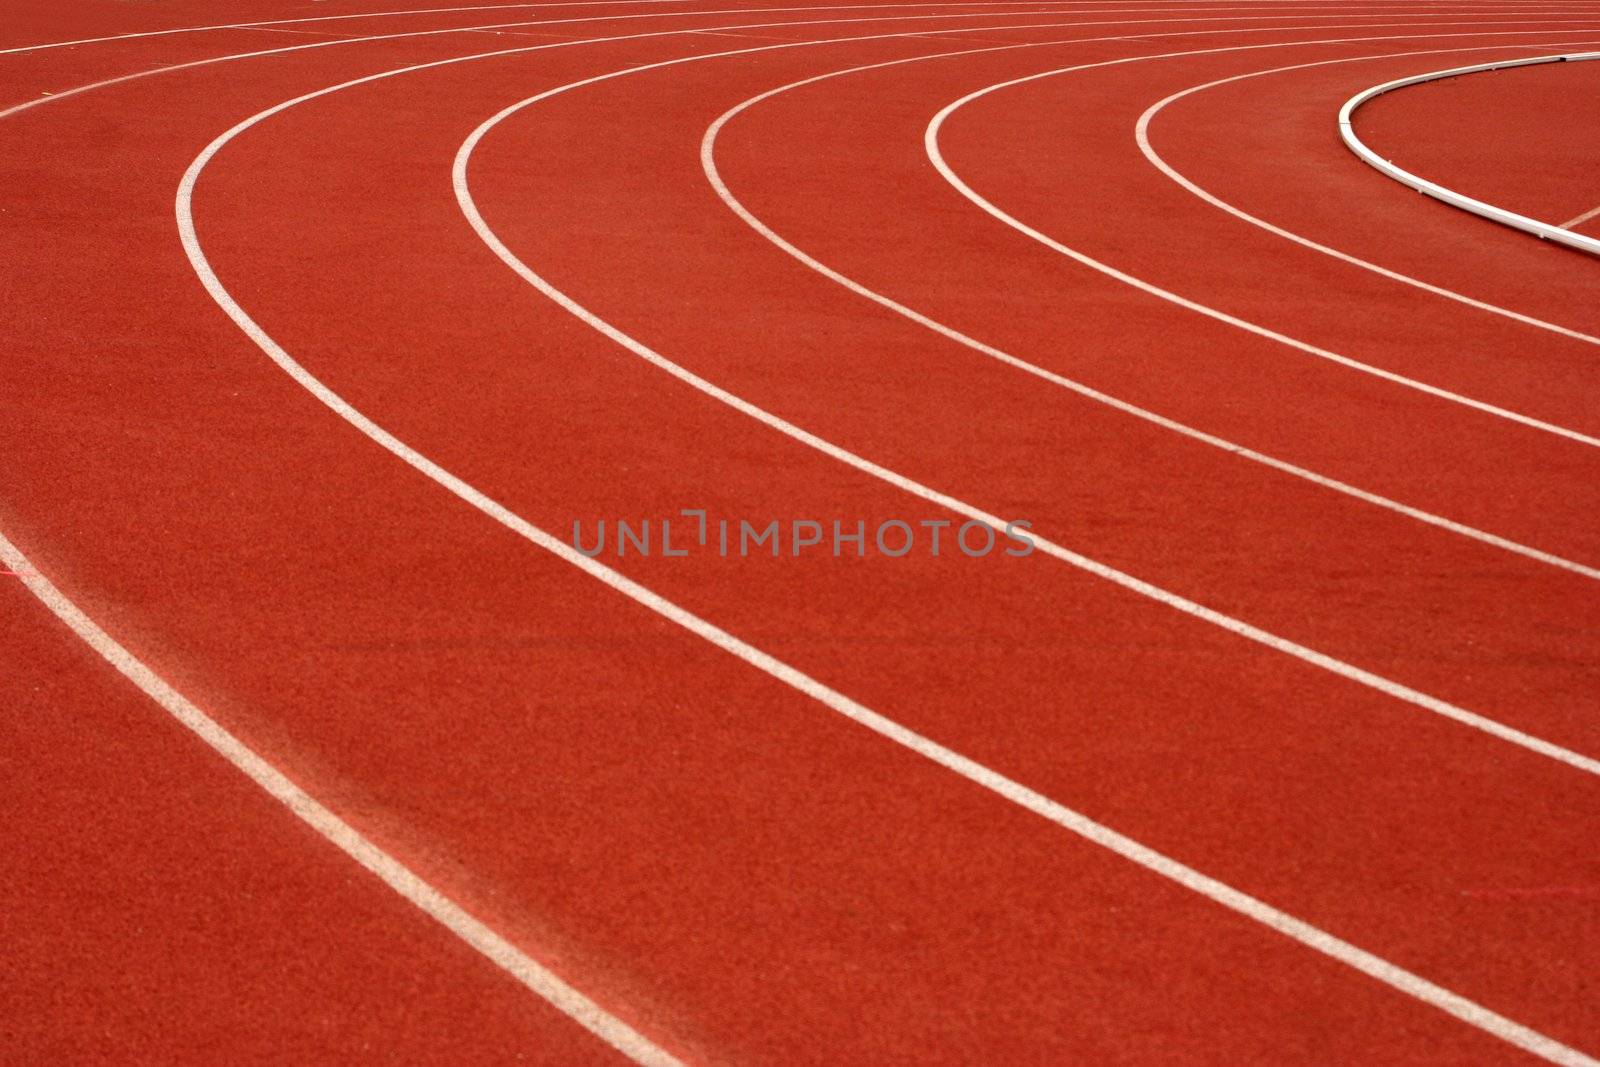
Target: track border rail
1543 230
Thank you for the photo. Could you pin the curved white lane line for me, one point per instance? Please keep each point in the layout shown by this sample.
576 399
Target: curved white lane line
709 165
573 3
931 144
1313 937
1142 136
1509 6
1025 12
1544 230
173 68
1127 581
393 873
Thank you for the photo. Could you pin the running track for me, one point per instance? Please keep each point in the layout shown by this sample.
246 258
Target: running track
323 746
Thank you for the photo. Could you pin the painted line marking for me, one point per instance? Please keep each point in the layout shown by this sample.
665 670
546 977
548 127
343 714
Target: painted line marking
1581 219
709 167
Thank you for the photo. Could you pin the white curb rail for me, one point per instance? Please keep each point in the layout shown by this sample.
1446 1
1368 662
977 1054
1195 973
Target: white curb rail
1545 230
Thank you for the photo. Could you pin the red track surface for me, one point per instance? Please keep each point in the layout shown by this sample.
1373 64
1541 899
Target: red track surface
709 851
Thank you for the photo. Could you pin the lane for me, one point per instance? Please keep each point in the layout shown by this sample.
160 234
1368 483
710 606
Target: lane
359 334
187 917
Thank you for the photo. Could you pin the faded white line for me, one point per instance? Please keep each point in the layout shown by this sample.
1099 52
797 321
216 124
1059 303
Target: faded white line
1581 219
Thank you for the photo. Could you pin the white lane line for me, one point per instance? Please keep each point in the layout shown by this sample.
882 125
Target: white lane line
1142 136
360 15
1024 12
1111 5
1581 219
1143 588
393 873
709 166
931 144
1313 937
192 64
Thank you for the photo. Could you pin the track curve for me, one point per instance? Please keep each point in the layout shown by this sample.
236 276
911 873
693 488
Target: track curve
582 767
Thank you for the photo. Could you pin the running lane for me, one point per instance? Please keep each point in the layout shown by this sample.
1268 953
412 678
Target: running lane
156 907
